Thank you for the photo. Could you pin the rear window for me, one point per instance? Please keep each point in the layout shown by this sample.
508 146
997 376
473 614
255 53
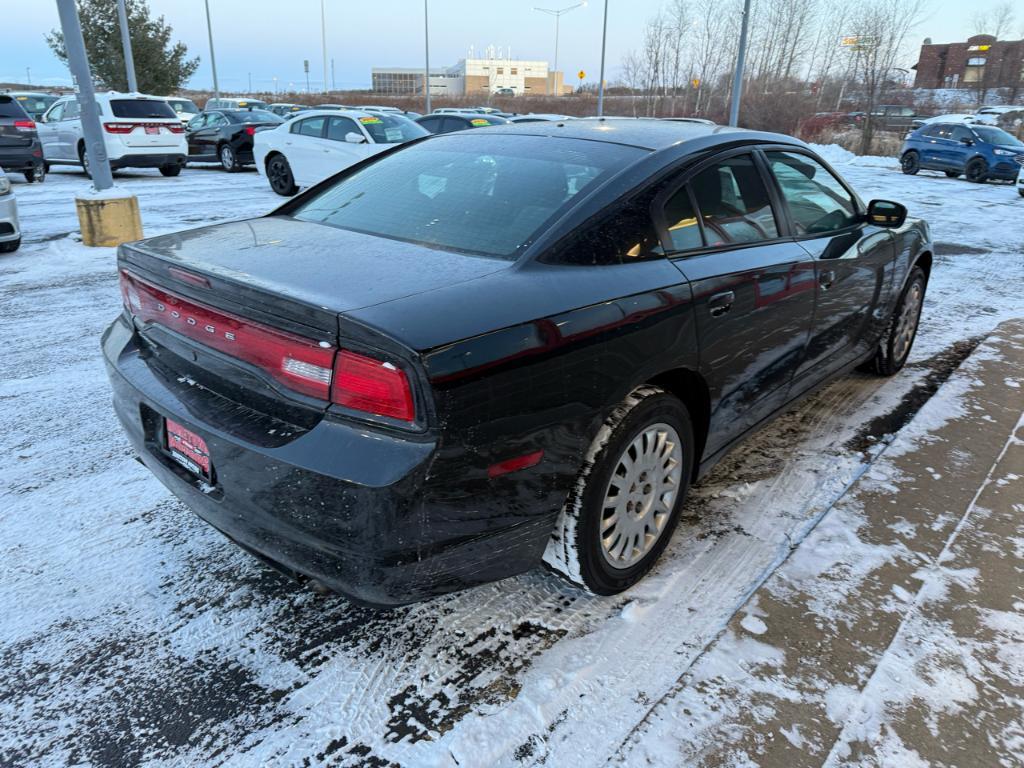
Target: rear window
473 193
11 108
183 106
141 108
392 129
254 103
253 116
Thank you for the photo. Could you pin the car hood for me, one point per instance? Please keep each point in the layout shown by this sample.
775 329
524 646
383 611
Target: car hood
315 264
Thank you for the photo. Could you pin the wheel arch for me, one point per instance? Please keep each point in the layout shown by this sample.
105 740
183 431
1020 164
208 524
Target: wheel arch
691 388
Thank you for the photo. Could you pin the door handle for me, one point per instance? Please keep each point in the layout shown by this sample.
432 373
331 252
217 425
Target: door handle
721 303
826 278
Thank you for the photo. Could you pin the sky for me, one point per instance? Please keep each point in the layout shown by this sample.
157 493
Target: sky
267 39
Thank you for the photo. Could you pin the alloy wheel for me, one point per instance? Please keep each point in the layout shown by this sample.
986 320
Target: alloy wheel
280 176
640 495
906 326
227 158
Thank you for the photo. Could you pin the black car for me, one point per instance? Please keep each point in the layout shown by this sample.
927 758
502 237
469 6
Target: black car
472 353
20 150
448 122
226 135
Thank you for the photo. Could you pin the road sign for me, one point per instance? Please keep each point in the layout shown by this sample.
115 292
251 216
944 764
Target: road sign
305 65
695 82
581 74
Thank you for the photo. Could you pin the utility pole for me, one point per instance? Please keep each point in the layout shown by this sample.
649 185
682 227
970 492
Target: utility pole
737 76
250 82
558 13
600 82
426 57
323 39
213 61
334 87
126 44
28 75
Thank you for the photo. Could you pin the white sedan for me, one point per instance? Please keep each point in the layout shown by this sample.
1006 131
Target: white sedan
319 143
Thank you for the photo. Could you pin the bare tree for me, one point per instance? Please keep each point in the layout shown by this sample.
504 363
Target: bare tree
996 21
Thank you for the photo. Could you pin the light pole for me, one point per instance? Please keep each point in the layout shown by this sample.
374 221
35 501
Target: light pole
323 39
213 61
558 13
600 82
737 76
126 44
426 57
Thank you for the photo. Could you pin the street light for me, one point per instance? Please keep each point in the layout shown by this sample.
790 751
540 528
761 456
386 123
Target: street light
426 57
213 61
600 82
737 76
323 39
558 13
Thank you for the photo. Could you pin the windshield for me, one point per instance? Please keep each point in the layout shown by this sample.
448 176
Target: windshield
183 106
996 136
473 193
35 105
141 108
392 129
253 116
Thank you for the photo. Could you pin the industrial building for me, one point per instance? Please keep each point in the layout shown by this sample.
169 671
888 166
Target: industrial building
980 62
472 76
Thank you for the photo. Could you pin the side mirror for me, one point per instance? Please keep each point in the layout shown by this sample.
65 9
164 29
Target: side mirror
886 213
966 141
354 138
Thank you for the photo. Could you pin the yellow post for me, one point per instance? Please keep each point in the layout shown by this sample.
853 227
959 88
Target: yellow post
108 218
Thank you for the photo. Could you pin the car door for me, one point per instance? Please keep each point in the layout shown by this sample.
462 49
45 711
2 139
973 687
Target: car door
961 149
49 131
752 288
928 145
69 130
338 151
193 134
304 149
853 260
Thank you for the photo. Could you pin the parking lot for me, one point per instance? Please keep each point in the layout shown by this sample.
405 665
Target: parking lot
140 635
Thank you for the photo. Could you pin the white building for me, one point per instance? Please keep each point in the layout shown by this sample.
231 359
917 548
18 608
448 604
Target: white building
472 76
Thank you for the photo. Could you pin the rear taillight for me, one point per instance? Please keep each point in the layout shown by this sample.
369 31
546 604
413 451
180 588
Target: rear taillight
372 386
25 125
119 127
176 128
303 365
251 130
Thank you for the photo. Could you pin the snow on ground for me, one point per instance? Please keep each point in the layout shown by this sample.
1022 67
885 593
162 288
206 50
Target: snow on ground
136 634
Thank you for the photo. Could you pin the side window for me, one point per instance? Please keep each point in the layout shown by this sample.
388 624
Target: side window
944 132
733 202
431 123
681 220
337 127
450 124
817 202
56 112
960 133
216 120
626 237
931 131
197 122
311 126
72 111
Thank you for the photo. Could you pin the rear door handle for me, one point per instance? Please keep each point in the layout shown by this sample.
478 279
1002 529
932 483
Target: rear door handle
826 278
721 303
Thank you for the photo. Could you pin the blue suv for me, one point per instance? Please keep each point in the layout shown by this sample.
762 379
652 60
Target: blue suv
979 152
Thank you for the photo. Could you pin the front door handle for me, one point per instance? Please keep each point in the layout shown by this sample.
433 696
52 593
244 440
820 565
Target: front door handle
721 303
826 278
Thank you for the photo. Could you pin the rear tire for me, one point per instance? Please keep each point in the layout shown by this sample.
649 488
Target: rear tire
228 159
170 169
279 174
36 174
910 163
83 158
895 345
1020 192
976 171
10 246
620 515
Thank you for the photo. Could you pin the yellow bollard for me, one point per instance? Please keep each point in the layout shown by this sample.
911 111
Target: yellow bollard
108 218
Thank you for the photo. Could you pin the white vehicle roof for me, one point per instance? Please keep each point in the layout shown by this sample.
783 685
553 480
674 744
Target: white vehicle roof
541 116
371 108
999 110
956 118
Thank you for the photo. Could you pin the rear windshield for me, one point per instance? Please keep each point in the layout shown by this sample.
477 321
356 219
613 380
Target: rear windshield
253 116
254 103
141 108
183 107
474 193
996 136
11 108
392 129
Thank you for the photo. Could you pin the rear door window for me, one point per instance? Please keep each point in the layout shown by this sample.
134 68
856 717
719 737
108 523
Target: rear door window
733 202
817 201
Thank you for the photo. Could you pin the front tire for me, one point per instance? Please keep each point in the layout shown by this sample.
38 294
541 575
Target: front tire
895 344
10 246
170 169
620 515
279 174
976 171
910 163
228 159
83 158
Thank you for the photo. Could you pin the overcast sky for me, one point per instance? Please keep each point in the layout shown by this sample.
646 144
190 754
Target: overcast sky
270 38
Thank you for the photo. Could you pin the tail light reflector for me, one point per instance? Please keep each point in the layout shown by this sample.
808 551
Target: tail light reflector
372 386
25 125
251 130
514 465
303 365
176 128
119 127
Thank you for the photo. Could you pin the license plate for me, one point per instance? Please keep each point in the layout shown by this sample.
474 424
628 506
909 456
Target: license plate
187 448
153 130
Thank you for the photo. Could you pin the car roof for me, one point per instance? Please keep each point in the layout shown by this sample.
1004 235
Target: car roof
307 113
645 133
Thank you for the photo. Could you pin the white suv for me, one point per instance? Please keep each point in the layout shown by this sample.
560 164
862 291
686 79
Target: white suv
139 131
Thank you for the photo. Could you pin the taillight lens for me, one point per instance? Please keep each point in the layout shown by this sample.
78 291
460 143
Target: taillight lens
176 128
251 130
25 125
119 127
372 386
301 364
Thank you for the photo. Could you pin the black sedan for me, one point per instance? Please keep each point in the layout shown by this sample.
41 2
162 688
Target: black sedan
20 150
448 122
226 135
472 353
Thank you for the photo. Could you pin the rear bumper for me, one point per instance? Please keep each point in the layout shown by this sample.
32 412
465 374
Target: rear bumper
21 159
9 227
148 160
377 517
